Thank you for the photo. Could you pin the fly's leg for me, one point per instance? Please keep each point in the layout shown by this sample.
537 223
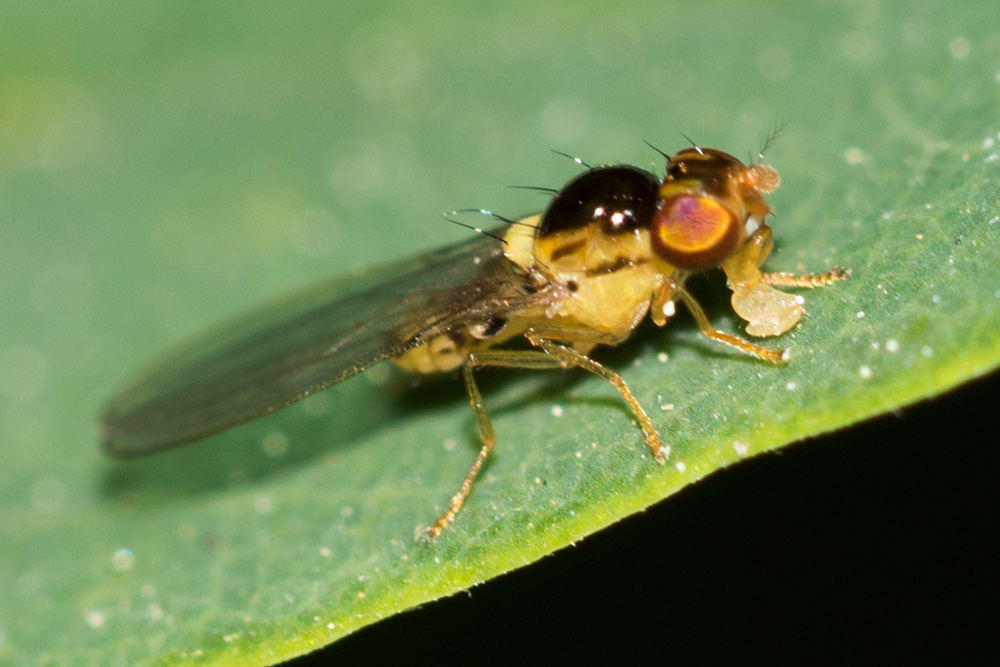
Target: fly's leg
552 355
571 357
807 280
509 358
743 267
707 330
768 311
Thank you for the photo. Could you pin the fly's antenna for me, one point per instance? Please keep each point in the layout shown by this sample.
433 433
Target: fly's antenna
693 144
772 137
574 159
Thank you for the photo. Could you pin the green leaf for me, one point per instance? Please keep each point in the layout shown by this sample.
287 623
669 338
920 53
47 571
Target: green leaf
158 171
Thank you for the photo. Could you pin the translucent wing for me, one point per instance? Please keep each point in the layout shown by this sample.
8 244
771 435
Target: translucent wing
287 350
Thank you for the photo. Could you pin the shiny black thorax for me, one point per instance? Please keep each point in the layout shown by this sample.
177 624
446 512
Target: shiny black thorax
620 198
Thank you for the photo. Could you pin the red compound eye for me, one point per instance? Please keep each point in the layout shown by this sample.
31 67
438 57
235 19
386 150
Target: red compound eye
694 232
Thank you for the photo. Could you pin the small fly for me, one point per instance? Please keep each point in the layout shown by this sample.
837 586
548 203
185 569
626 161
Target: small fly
615 244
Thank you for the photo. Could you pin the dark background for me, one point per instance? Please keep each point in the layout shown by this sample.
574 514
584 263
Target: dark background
873 544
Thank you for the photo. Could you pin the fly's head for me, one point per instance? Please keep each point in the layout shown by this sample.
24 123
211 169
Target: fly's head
712 213
709 205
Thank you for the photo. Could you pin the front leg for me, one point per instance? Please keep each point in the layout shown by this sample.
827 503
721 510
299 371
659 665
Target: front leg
807 280
768 312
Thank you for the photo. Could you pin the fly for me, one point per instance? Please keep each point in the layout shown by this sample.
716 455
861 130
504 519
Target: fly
616 244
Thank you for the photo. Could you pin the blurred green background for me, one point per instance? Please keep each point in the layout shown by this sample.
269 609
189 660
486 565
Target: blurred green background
164 164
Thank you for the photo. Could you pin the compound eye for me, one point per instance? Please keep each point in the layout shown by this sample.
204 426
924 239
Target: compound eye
694 232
